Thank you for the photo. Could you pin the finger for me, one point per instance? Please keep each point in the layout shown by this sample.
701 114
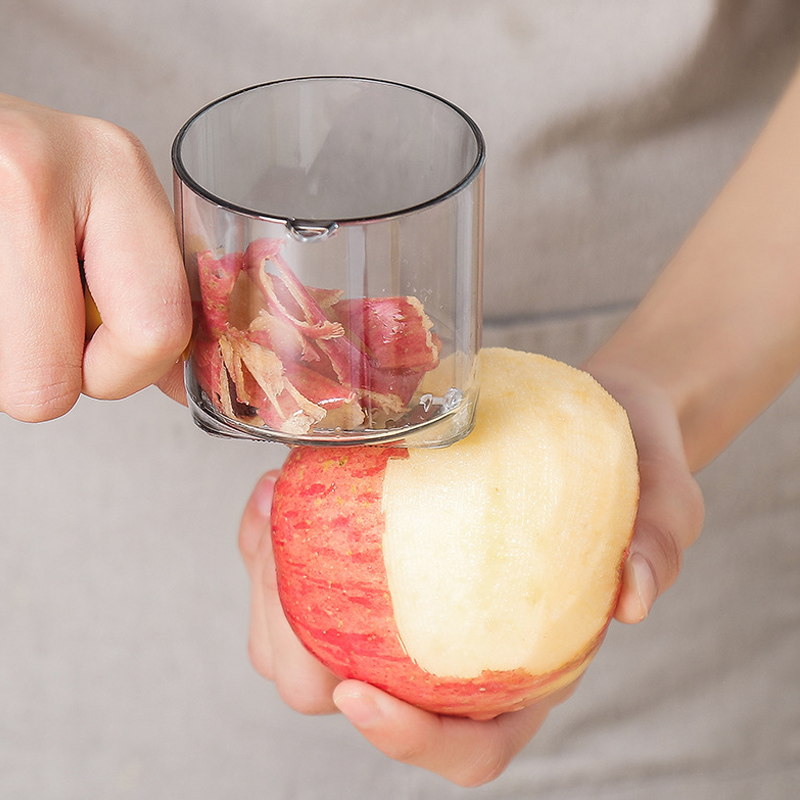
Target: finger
133 267
303 683
465 751
669 520
259 641
670 513
254 525
172 384
253 529
41 302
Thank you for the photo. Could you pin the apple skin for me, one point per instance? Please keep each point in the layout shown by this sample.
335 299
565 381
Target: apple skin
327 528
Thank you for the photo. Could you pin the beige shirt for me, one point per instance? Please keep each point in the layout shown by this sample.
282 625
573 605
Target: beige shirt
610 126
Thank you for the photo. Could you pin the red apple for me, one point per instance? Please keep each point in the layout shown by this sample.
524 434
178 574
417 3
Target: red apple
472 579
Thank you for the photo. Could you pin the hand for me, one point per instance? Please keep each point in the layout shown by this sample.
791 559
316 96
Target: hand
80 191
470 752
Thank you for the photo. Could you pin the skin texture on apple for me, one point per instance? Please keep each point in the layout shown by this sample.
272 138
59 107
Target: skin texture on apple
472 579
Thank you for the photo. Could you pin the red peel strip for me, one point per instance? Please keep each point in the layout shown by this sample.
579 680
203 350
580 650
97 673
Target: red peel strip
217 278
395 331
307 353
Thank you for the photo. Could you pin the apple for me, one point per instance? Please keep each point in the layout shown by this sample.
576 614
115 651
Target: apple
472 579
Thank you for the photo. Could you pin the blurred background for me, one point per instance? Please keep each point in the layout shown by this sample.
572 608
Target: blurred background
123 603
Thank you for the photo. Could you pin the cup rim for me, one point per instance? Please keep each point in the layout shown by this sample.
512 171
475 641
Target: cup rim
187 180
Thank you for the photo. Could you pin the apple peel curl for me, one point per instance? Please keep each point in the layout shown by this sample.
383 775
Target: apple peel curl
268 350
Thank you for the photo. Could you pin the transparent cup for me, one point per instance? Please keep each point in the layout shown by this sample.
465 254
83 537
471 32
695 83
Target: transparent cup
332 234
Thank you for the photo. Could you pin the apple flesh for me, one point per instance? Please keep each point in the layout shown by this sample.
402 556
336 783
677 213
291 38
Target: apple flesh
472 579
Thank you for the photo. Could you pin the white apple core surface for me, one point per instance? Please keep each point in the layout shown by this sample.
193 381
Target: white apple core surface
503 551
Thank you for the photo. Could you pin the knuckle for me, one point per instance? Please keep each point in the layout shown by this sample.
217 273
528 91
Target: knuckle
679 496
117 144
25 156
669 551
159 334
409 752
488 764
660 548
672 521
695 511
480 774
304 696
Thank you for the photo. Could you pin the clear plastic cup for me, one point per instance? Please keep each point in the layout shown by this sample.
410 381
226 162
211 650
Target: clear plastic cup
332 233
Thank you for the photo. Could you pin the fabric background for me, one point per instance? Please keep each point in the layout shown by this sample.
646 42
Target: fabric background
123 604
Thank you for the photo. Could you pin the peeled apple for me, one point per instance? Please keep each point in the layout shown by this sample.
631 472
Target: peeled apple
476 578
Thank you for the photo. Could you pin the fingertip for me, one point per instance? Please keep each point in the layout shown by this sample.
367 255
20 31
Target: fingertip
43 398
263 493
639 590
356 703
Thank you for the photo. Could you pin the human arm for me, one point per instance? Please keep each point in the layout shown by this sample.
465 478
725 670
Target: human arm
720 329
78 191
716 339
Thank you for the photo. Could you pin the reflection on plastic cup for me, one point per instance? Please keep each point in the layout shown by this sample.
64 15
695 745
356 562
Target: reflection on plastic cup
332 231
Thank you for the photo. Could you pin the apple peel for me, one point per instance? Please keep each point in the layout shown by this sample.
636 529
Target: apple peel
268 350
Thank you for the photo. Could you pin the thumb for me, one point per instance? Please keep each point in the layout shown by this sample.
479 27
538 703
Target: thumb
670 514
669 520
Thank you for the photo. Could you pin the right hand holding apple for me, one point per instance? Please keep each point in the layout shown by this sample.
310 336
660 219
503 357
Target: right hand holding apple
470 751
82 192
